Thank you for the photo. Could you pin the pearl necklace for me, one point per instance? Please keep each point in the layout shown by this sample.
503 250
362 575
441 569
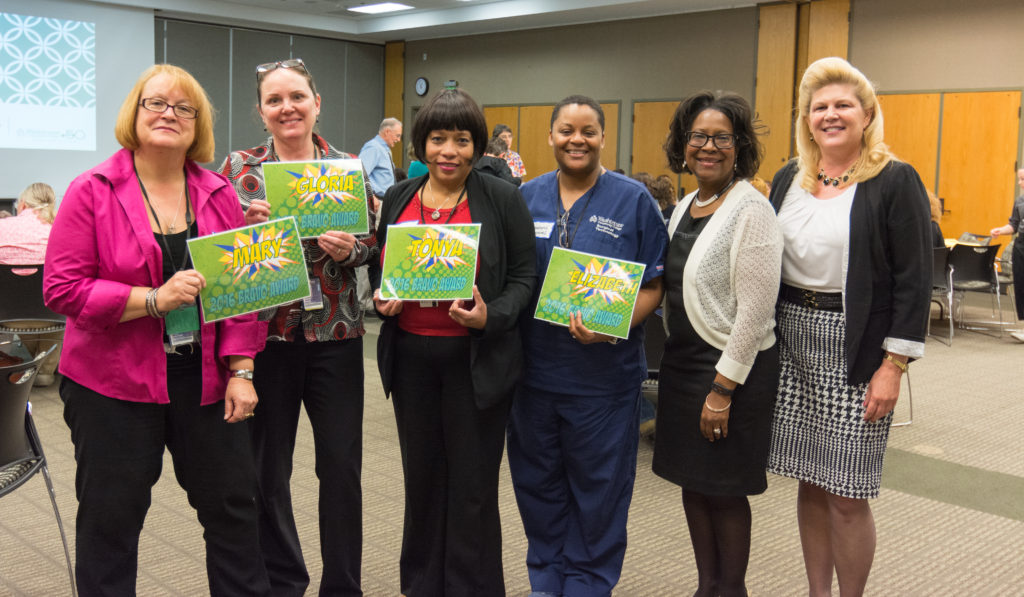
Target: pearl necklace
699 203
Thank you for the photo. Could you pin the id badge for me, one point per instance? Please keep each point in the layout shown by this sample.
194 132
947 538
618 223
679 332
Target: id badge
315 300
182 325
543 229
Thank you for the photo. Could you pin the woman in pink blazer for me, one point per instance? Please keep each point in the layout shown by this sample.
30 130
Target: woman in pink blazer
140 372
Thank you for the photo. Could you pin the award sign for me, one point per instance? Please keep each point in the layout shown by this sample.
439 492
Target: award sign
322 195
430 262
602 289
249 269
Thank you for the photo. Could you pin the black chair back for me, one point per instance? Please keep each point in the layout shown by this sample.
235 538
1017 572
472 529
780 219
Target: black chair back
15 386
940 262
973 267
22 296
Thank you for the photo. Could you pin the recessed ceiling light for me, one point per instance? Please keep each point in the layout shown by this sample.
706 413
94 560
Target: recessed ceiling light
380 7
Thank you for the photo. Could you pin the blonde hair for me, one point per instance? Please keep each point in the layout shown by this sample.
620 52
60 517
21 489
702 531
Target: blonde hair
202 148
39 197
874 154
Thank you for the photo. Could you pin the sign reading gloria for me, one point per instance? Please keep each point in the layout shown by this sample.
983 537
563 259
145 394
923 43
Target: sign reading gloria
249 269
430 262
602 289
322 195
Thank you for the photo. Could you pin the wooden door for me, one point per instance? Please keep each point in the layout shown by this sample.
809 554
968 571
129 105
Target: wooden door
534 125
610 153
912 131
978 151
507 115
776 54
650 130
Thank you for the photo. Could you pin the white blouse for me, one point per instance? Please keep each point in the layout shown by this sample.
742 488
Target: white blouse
816 234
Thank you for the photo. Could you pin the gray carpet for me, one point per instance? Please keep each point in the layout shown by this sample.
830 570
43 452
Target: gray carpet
950 518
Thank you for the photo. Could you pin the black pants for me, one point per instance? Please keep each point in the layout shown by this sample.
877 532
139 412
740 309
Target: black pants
119 448
451 451
326 377
1018 274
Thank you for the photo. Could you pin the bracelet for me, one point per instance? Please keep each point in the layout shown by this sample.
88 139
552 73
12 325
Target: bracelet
716 410
902 365
151 307
722 390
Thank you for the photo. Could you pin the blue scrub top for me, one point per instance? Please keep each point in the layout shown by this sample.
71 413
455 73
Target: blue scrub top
616 218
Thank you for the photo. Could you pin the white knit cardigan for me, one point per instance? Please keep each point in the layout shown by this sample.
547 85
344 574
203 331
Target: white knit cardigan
731 278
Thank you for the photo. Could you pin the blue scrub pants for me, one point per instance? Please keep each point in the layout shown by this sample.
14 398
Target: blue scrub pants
573 464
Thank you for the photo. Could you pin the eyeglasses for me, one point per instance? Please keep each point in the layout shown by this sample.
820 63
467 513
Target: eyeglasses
266 67
723 141
155 104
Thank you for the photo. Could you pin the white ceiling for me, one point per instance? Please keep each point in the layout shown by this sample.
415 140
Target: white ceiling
429 18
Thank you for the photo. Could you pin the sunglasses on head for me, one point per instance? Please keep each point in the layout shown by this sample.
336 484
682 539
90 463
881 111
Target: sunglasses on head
266 67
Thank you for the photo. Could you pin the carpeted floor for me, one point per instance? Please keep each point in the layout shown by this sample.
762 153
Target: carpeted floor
950 518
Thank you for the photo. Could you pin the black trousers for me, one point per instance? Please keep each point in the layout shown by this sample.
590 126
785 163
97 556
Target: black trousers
119 448
451 451
327 378
1018 274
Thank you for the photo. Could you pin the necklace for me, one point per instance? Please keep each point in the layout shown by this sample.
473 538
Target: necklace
436 214
834 181
713 198
177 210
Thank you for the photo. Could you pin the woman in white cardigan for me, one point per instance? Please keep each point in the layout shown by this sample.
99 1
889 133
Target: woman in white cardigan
719 375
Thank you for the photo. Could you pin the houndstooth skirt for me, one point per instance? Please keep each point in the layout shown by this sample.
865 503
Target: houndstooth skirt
819 434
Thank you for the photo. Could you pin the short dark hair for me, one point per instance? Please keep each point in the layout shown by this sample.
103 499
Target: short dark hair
499 129
745 126
581 100
449 110
496 146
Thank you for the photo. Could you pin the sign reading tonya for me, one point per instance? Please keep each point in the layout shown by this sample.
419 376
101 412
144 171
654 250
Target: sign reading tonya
322 195
430 262
603 290
250 268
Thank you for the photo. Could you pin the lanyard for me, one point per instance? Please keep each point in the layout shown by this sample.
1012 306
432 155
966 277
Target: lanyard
563 215
188 217
423 219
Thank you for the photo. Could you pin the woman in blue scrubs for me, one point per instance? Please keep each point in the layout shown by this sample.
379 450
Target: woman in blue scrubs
572 435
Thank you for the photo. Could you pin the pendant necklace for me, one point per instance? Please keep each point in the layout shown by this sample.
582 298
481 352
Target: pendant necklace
436 214
713 198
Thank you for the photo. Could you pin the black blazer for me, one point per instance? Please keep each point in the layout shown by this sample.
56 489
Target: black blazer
889 275
506 278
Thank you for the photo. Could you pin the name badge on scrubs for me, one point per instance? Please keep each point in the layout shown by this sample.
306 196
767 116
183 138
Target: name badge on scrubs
182 325
543 229
315 300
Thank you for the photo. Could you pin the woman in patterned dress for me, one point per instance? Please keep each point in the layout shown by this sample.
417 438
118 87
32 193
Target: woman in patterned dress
314 354
853 308
720 371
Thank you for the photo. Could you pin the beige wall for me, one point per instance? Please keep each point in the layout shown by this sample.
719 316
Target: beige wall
644 59
939 45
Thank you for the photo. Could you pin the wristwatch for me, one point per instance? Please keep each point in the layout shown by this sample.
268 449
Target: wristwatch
242 373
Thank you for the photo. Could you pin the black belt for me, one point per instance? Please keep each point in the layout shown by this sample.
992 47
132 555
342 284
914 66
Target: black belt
823 301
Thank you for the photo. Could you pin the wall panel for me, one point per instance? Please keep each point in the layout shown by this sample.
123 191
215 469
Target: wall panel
534 126
829 29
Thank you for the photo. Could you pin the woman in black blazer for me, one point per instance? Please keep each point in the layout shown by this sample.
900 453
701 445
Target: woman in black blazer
852 312
451 367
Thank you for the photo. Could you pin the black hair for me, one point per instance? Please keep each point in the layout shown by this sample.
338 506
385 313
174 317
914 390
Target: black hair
499 129
581 100
449 110
496 146
745 126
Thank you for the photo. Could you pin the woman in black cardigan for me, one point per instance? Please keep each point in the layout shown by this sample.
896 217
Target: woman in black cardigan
853 308
451 367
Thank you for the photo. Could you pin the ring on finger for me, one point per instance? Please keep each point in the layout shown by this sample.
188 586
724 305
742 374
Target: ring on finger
718 431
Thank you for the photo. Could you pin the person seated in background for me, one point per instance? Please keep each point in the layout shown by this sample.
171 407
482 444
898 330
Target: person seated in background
23 241
416 167
515 163
492 163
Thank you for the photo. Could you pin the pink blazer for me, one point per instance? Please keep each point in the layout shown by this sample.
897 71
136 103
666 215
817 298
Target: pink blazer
100 247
